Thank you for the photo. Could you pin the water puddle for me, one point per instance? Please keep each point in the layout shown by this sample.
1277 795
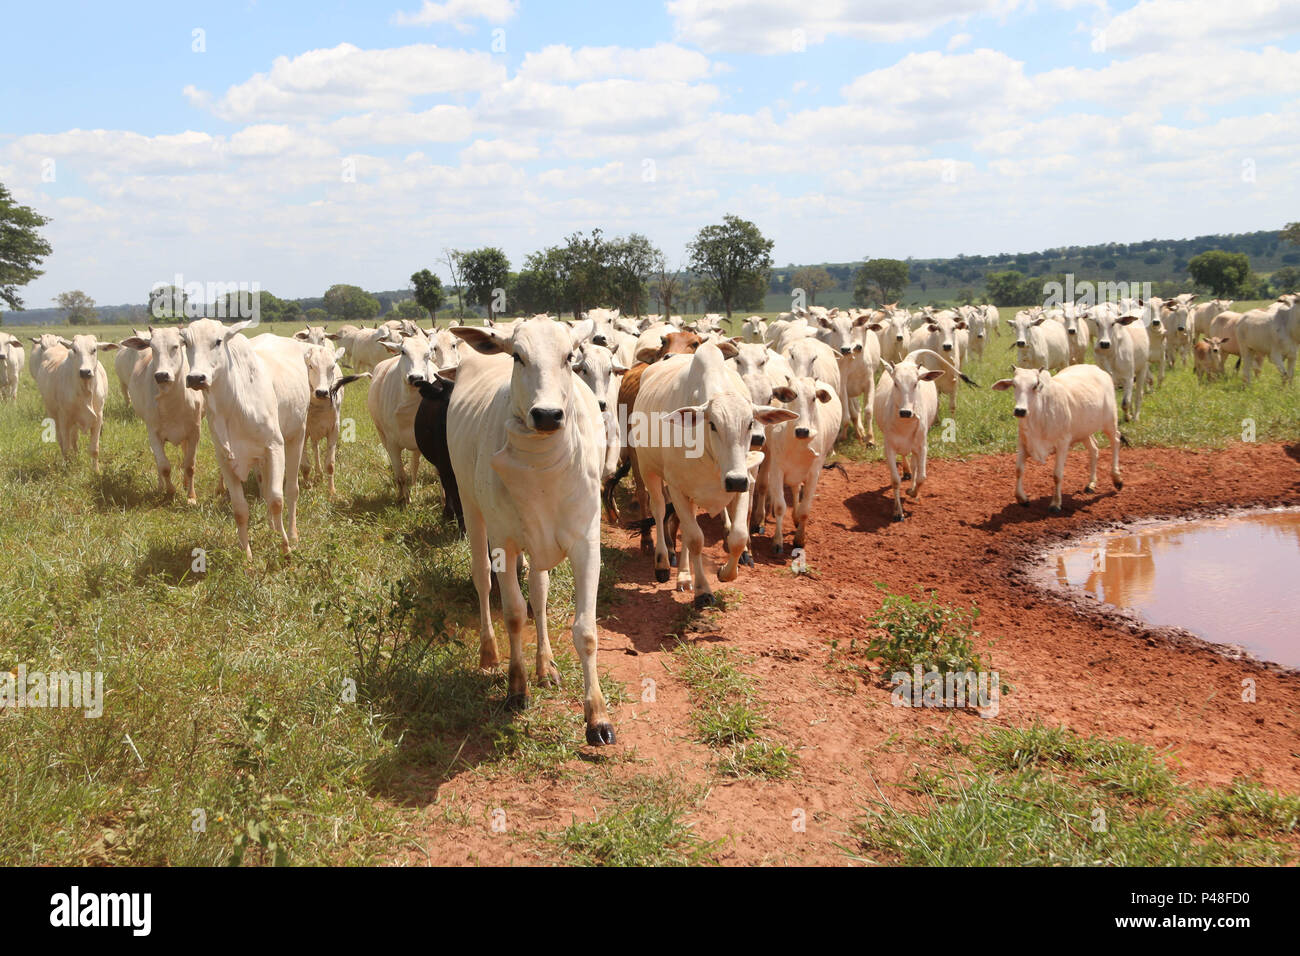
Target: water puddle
1233 580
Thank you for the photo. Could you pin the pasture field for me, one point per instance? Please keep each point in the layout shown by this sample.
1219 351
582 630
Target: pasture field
328 708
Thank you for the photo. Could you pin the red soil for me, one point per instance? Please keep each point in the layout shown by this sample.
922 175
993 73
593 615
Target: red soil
967 539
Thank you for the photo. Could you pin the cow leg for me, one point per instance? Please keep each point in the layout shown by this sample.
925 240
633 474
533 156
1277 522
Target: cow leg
399 470
1113 435
96 426
776 491
869 409
1062 452
293 453
1093 452
515 614
1020 474
238 506
585 561
165 486
654 486
189 450
803 506
304 467
273 478
415 469
539 583
758 503
690 563
480 565
1128 397
918 470
1137 398
891 459
737 537
331 454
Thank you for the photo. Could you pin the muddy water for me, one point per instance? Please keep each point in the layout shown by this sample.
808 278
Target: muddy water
1229 580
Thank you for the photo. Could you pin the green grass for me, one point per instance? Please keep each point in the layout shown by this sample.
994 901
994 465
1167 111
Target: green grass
1046 796
647 826
727 715
231 683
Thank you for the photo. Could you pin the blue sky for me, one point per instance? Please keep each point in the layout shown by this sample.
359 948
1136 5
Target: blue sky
312 143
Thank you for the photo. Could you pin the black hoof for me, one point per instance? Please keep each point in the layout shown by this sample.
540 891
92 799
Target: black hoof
703 600
661 575
1054 509
516 702
1024 504
907 476
777 548
756 529
601 735
899 517
672 560
747 559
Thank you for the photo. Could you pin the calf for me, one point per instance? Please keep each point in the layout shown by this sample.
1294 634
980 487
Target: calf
753 329
256 405
1077 331
858 355
763 371
74 387
940 349
11 365
705 459
600 371
1056 412
172 414
393 401
797 450
324 414
431 437
907 404
1208 359
124 363
526 443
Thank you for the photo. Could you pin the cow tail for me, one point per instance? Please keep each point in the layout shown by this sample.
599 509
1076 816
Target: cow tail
611 485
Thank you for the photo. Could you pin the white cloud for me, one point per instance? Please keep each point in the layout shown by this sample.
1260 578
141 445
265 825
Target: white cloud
1163 24
562 64
957 41
347 79
782 26
457 13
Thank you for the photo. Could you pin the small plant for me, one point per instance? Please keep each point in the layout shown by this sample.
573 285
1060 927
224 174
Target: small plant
921 632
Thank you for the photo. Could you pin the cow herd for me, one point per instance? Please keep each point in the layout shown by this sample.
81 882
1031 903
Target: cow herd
532 424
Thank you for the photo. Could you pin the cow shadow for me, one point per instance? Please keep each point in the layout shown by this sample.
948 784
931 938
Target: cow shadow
115 490
171 564
873 509
1014 513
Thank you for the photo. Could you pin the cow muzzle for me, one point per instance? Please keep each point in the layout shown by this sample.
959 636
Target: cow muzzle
736 483
845 350
547 419
322 393
196 381
415 381
86 372
803 432
904 413
162 378
1103 345
1020 412
602 403
1070 331
947 346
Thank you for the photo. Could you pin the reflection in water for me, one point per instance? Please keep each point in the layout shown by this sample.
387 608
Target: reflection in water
1230 580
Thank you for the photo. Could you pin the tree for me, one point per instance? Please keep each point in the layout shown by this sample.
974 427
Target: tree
632 261
1286 279
350 303
80 308
451 258
1292 233
167 303
291 311
484 271
667 285
410 309
888 276
733 254
1005 288
1223 273
317 316
428 292
584 269
22 248
812 279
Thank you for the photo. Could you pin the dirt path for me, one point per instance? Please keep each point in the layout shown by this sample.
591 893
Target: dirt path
969 541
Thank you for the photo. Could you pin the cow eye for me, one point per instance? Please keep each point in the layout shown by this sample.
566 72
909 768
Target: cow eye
518 358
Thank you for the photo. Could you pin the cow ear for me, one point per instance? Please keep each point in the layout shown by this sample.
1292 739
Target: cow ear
770 415
1002 384
137 342
332 336
448 374
107 346
646 355
1129 319
339 353
65 342
581 332
618 367
823 395
483 339
687 415
728 348
300 334
393 347
930 374
784 393
961 324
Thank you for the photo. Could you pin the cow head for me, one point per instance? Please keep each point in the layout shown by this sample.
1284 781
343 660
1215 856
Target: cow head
207 344
907 377
167 364
313 335
1106 323
598 367
84 350
801 396
1027 382
545 353
414 358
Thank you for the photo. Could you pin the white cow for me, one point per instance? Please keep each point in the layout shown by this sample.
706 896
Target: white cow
1059 411
124 363
1122 348
366 348
858 356
1041 342
797 450
1078 331
527 446
753 329
313 335
940 349
74 387
172 414
1204 313
705 424
763 371
600 371
256 405
894 332
11 365
907 404
1272 332
393 400
324 414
